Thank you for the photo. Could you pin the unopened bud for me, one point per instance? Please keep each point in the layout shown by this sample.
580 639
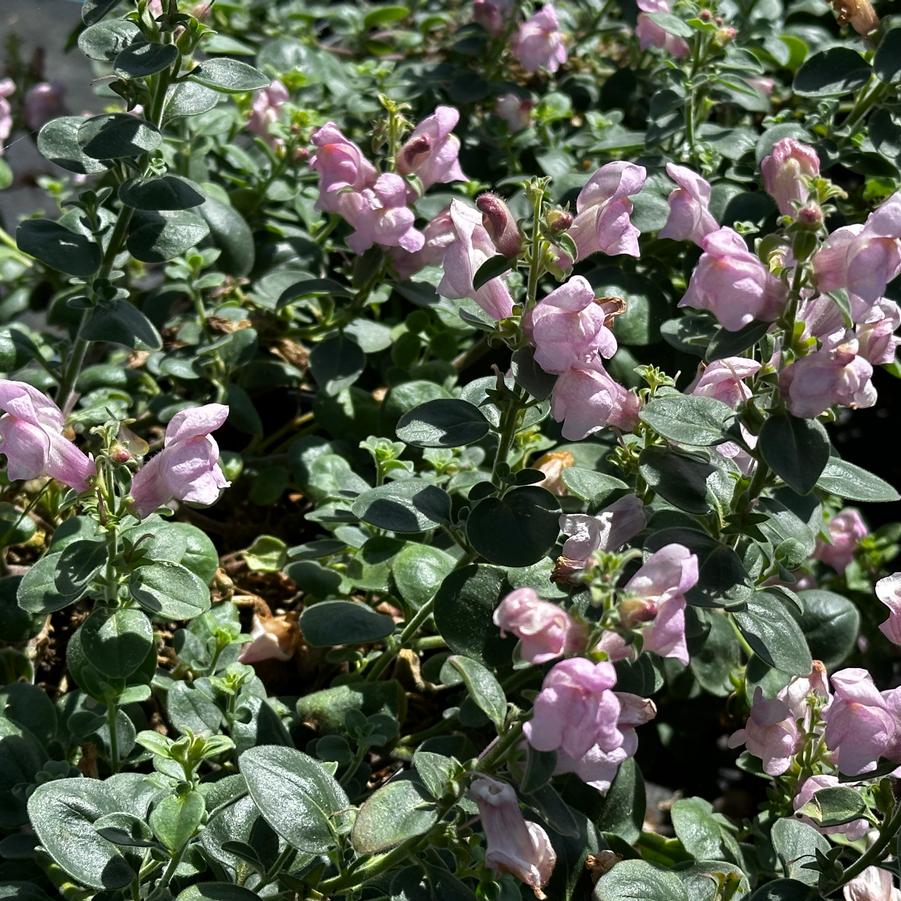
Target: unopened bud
633 611
559 220
859 14
413 153
500 224
725 35
810 216
705 15
119 454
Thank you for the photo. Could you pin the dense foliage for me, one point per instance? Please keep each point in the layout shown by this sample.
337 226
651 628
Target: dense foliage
531 337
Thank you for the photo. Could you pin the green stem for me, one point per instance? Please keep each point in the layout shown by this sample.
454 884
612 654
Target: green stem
283 860
112 715
7 240
168 874
865 101
873 854
408 633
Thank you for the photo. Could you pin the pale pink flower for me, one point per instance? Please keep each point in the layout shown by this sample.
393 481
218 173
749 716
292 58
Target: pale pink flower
539 44
800 689
689 216
661 584
7 88
861 724
272 638
862 258
43 102
733 284
876 332
439 234
31 437
343 169
785 173
155 8
516 111
602 223
586 399
568 327
187 468
471 247
576 709
770 733
380 215
822 317
544 630
724 380
615 647
873 884
608 531
852 831
430 153
650 34
845 529
493 15
265 109
834 374
514 844
888 590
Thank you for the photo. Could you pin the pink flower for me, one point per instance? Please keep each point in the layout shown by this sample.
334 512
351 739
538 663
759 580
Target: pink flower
7 88
187 468
603 208
514 845
888 590
431 151
861 724
439 234
770 733
873 884
568 328
516 111
852 831
31 437
608 531
493 15
586 398
615 647
544 630
650 34
801 689
155 8
342 168
500 224
265 109
380 215
272 638
876 332
598 768
471 247
43 102
724 380
733 284
845 532
862 258
576 709
785 172
834 374
689 216
661 584
538 44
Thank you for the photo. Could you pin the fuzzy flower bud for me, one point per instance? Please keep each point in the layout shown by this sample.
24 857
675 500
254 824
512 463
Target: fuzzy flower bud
498 221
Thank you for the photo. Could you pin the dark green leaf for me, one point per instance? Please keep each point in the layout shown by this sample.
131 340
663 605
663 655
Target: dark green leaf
887 62
679 478
118 136
94 10
832 73
59 248
688 419
856 484
38 592
168 192
143 58
636 880
58 142
216 891
343 622
120 322
624 804
830 623
392 814
104 41
230 76
337 363
491 268
169 590
481 684
796 844
156 237
411 505
774 634
117 640
797 450
418 572
835 806
443 423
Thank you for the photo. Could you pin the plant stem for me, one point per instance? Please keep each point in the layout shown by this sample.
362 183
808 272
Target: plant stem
408 633
873 854
112 716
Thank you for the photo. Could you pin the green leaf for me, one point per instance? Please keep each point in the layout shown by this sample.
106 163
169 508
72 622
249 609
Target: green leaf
774 634
443 423
156 237
176 818
119 321
703 833
491 268
623 811
832 73
517 529
58 143
117 136
834 806
411 505
38 592
591 486
436 772
887 62
418 572
384 15
677 477
296 796
189 99
94 10
104 41
169 591
463 609
312 287
216 891
672 24
331 623
337 363
731 344
856 484
78 563
230 232
229 76
646 305
830 623
688 419
143 58
636 880
796 844
57 247
62 814
167 192
481 684
397 811
797 450
785 890
117 641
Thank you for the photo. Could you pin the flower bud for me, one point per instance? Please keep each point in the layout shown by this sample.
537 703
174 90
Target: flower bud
725 35
633 611
559 220
119 454
498 221
705 15
810 216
